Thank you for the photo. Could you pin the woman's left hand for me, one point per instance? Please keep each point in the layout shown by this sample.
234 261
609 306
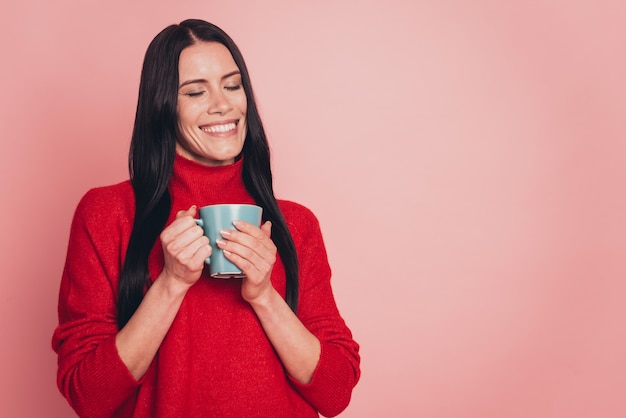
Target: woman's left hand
251 249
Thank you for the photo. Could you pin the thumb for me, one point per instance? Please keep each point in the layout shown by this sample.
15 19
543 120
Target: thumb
189 212
267 228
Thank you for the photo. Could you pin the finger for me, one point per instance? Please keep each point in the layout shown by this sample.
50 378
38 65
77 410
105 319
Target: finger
249 268
251 236
189 237
181 226
196 252
259 242
250 250
187 265
250 229
183 222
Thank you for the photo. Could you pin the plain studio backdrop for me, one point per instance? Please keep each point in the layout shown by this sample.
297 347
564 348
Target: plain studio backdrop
465 159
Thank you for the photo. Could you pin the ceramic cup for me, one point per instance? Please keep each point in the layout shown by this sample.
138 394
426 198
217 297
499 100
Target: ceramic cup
215 218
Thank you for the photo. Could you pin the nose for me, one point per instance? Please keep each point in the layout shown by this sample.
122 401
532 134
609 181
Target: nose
218 103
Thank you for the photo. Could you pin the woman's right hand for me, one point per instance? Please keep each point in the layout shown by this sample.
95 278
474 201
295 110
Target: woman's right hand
185 248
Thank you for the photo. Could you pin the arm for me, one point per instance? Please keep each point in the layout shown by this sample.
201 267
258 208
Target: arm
252 250
299 350
316 348
185 248
97 376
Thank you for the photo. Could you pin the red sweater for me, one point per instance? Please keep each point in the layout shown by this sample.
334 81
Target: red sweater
215 361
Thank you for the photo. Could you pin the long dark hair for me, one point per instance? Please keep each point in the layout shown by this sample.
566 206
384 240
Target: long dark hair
151 160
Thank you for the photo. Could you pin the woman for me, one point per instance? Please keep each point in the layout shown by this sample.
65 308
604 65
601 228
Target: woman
143 331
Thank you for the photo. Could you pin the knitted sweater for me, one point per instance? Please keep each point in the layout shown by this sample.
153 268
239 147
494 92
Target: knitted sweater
215 361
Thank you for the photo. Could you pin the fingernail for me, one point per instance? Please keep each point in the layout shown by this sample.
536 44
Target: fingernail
225 233
220 242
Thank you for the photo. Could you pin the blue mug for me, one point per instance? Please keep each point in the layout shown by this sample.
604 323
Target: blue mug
215 218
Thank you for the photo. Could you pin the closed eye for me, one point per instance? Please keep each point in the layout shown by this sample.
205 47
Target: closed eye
194 93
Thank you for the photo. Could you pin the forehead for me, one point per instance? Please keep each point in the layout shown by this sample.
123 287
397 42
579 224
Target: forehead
206 60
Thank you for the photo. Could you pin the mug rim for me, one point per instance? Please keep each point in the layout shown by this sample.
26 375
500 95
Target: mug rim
231 204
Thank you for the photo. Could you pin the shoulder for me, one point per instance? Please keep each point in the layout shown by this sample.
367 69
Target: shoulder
107 195
297 214
106 202
301 221
307 236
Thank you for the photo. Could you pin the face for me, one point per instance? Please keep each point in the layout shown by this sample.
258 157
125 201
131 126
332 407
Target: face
211 105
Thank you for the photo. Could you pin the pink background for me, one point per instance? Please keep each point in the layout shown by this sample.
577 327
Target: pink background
467 164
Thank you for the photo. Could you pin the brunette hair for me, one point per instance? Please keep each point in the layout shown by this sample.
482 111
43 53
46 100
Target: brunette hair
151 160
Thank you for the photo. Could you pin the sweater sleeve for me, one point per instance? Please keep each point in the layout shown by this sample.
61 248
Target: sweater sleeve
91 374
338 371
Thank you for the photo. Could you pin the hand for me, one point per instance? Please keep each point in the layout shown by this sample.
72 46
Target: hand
252 250
185 247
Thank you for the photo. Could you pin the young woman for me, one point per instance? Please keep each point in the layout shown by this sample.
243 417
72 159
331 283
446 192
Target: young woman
143 330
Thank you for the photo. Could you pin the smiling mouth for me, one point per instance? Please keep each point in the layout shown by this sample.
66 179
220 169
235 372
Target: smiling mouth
219 128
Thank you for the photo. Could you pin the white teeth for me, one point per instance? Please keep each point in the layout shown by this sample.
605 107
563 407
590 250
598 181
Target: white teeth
219 128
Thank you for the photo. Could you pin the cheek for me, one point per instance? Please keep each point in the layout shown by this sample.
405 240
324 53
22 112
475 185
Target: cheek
188 113
186 117
242 104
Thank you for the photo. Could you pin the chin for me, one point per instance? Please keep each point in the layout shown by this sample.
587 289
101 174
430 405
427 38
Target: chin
225 159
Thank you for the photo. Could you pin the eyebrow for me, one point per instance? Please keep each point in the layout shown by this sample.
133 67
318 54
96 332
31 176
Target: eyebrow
202 80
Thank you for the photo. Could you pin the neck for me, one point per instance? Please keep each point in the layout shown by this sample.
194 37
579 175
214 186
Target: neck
193 183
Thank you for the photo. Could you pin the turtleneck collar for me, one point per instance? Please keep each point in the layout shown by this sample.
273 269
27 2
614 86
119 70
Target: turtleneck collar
193 183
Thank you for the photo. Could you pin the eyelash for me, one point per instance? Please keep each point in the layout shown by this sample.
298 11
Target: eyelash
200 93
